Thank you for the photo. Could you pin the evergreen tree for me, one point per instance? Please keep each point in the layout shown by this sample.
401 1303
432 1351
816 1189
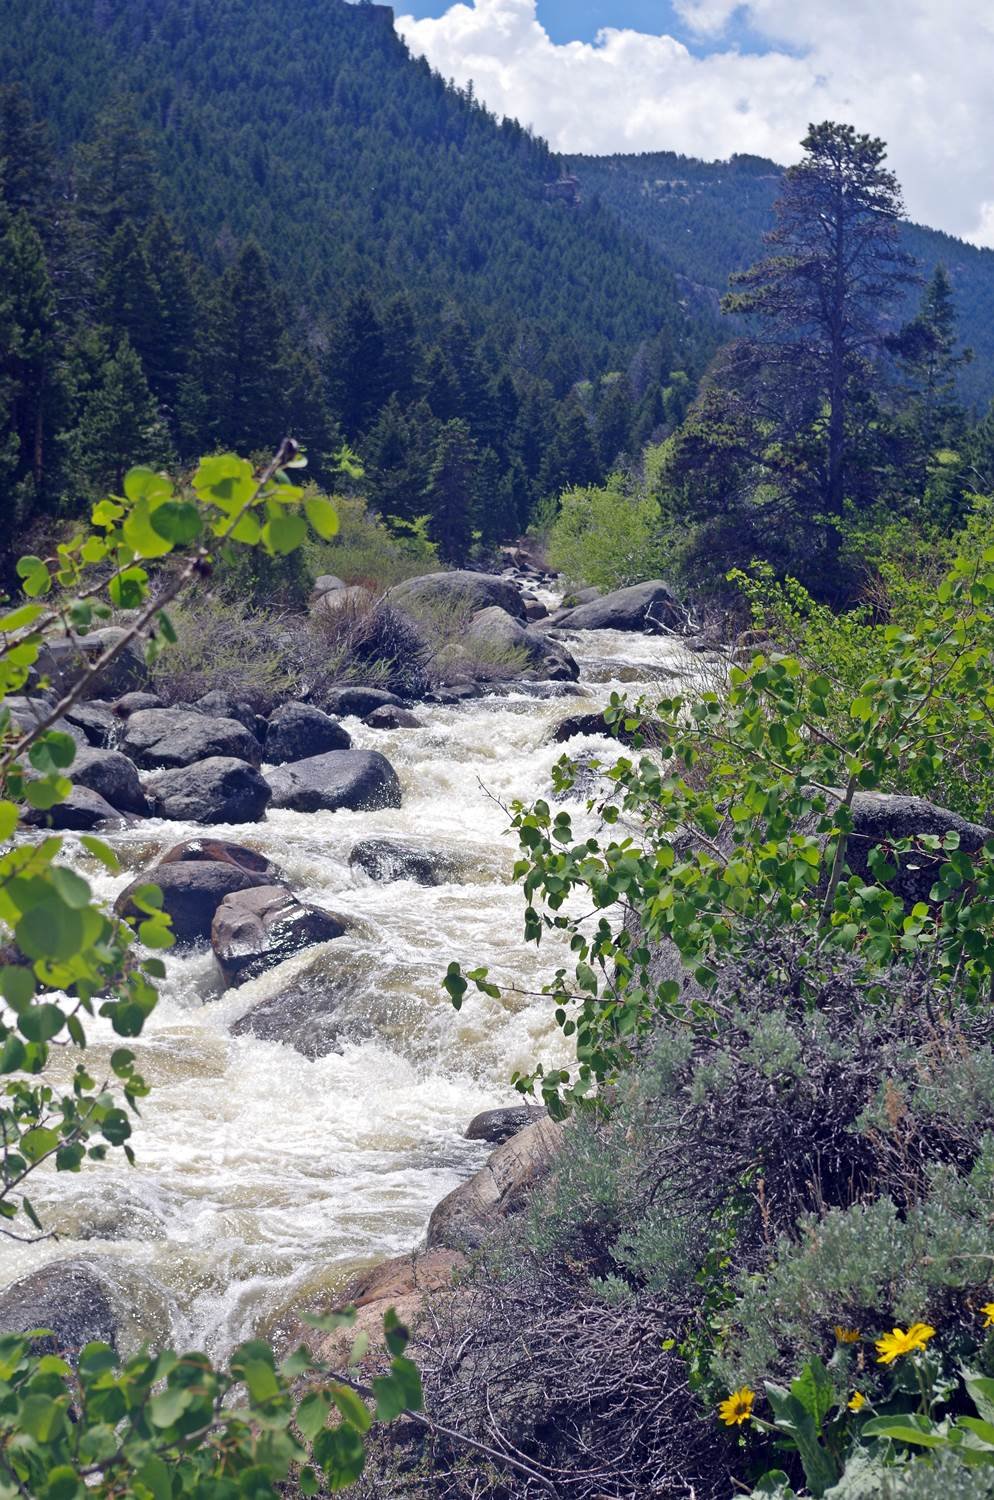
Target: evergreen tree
130 301
613 424
27 163
570 460
172 363
401 349
359 367
440 385
120 424
452 491
927 354
30 386
835 265
251 372
116 179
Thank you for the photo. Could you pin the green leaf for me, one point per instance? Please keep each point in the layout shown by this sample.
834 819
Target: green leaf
41 1022
101 851
814 1389
165 1409
322 516
154 1475
312 1413
12 1055
284 534
396 1335
38 1142
40 1417
145 484
8 820
63 1484
352 1407
178 521
260 1377
115 1127
901 1429
141 535
341 1455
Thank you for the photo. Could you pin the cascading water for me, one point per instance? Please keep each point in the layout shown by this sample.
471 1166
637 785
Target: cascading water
263 1176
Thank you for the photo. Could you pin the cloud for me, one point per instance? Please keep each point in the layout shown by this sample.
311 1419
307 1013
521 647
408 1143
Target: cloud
916 72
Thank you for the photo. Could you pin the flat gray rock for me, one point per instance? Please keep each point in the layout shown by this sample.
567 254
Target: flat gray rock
171 737
257 929
452 594
649 607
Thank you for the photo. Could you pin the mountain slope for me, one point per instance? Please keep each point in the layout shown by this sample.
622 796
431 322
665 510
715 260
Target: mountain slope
307 124
707 219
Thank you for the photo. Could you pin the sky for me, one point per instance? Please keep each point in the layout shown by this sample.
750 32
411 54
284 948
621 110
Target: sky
712 77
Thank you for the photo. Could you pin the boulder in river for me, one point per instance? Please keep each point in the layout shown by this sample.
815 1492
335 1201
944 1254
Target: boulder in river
499 1125
395 859
299 730
257 929
358 780
650 607
388 717
357 702
883 818
304 1014
448 595
113 775
495 642
173 737
97 722
83 811
218 705
68 1298
467 1217
221 852
220 789
66 659
192 893
132 703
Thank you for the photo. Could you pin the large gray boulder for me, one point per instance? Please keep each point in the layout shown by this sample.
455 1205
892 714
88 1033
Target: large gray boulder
68 1298
83 811
357 702
220 789
191 893
468 1216
358 780
395 859
496 644
880 819
66 659
299 730
255 930
304 1015
178 737
448 595
218 705
650 607
113 775
96 721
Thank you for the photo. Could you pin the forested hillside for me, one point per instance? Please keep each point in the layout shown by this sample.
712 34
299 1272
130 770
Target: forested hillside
708 220
263 213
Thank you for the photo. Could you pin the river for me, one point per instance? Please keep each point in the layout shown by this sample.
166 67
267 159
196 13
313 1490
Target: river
263 1177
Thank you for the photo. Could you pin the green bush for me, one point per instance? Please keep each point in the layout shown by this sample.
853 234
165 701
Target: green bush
368 552
225 645
611 536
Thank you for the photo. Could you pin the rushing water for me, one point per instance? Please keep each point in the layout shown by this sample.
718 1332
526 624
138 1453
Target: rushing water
263 1176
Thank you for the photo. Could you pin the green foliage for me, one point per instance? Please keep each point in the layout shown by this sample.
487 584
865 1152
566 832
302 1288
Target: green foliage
609 537
369 552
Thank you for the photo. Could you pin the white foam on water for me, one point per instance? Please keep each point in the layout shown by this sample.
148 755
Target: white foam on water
262 1175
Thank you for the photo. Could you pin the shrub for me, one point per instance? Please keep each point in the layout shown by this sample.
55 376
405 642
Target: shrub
228 646
366 551
609 537
363 640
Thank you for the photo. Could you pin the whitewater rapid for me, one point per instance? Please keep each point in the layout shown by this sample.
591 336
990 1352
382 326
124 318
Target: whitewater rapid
263 1177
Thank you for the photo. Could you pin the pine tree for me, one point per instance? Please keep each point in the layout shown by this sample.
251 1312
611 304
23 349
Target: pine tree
452 491
250 373
571 460
401 349
30 386
120 424
27 163
115 178
613 424
926 350
172 364
359 367
129 299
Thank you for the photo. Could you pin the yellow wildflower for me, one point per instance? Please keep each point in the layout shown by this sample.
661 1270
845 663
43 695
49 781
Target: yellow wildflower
988 1312
858 1401
893 1345
738 1407
846 1335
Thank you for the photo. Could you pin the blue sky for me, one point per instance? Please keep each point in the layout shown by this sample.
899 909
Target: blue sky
581 20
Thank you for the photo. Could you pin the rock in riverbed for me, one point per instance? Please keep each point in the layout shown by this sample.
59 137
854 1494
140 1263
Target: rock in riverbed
174 737
220 789
298 730
359 780
192 893
257 929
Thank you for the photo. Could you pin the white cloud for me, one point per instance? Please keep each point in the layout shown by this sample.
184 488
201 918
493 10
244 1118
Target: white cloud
917 72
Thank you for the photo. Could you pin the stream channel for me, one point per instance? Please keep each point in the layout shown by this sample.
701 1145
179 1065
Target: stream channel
263 1177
